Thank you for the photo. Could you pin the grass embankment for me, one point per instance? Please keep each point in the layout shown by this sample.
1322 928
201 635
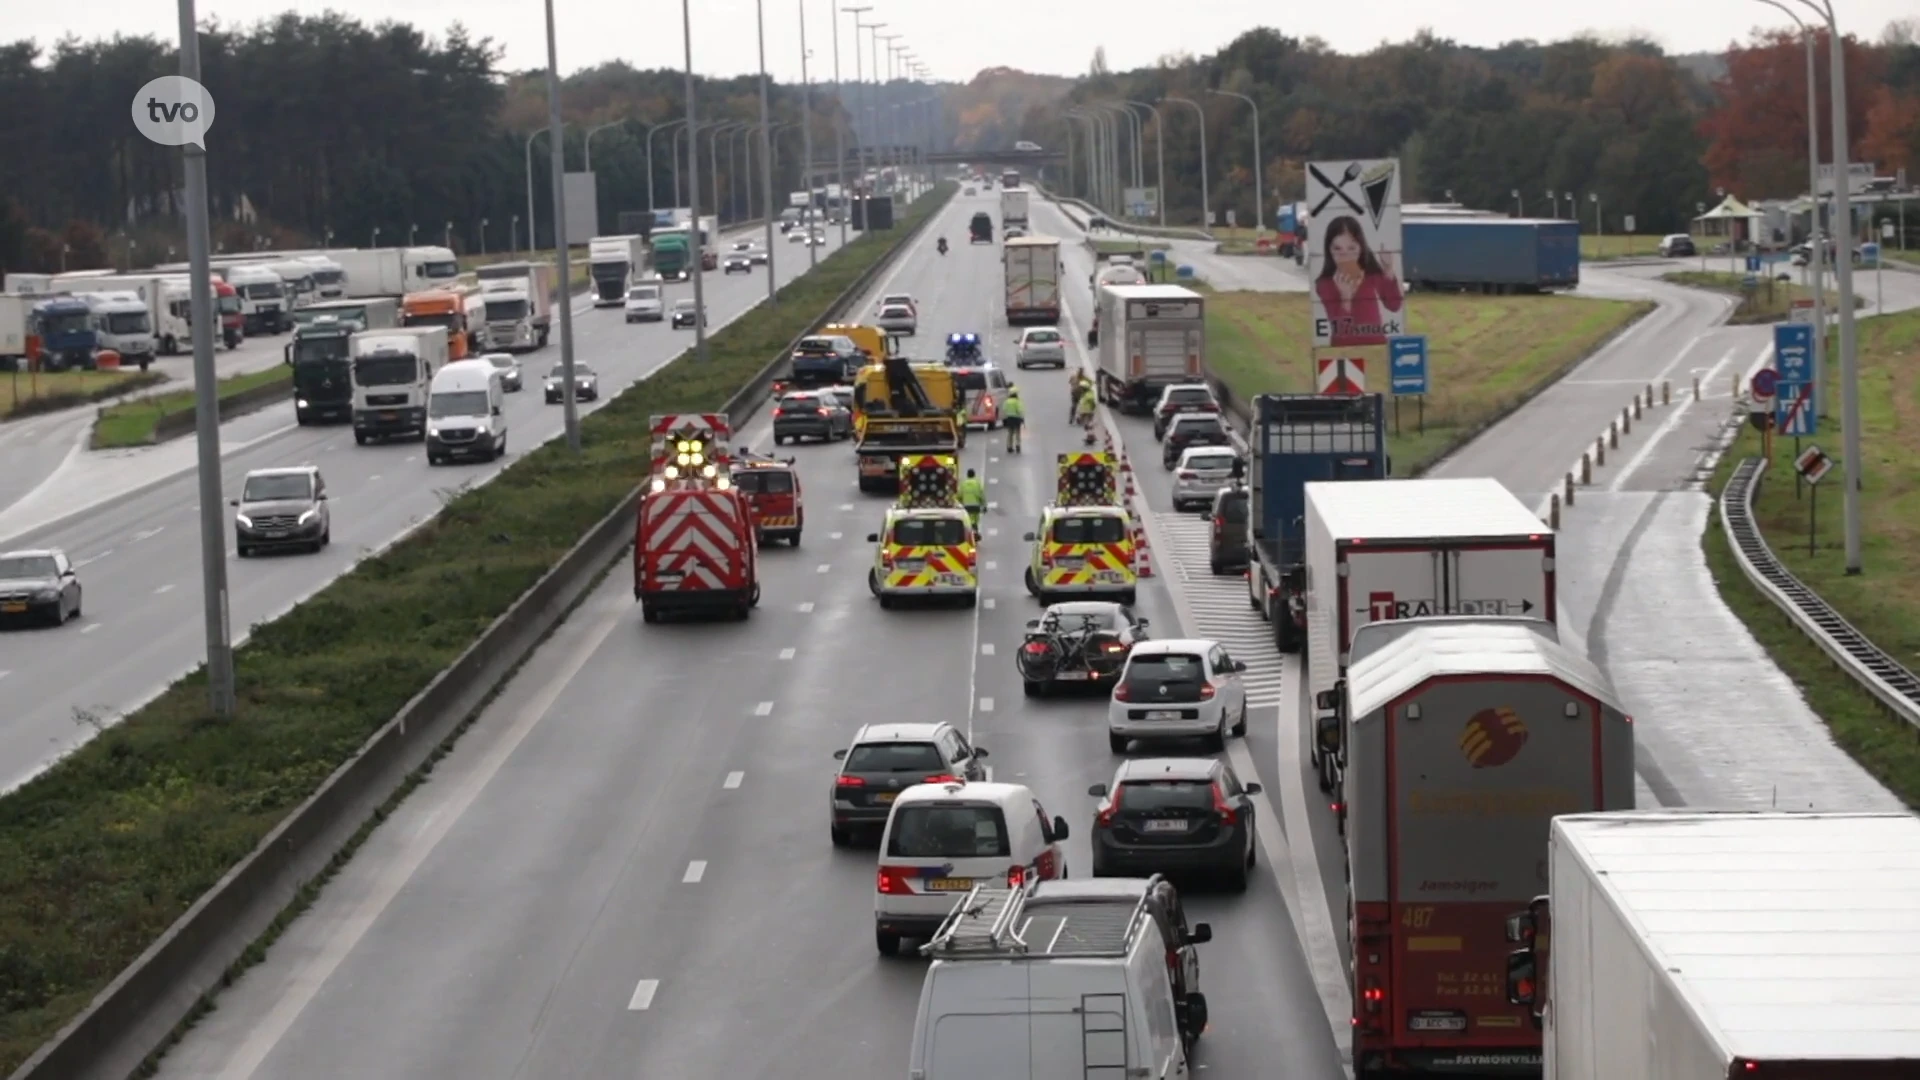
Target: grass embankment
1769 302
1883 602
1484 354
29 393
132 423
1618 246
104 851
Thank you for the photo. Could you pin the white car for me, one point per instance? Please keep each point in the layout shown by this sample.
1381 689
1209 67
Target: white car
1181 688
816 238
798 235
1041 345
1202 471
643 304
739 261
897 319
901 298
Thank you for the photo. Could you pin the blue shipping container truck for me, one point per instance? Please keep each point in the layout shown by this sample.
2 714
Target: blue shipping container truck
1299 439
67 337
1493 255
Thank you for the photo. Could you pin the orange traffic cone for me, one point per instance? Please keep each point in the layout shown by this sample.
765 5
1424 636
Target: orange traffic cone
1142 554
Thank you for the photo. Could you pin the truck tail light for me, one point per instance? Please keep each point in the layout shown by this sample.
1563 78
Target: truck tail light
1373 997
892 881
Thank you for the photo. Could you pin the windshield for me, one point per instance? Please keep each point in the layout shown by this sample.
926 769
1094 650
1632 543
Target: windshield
896 311
1089 530
308 350
904 757
397 370
1043 337
276 488
1166 795
648 293
1210 462
264 291
457 403
969 379
500 361
439 270
683 305
580 371
506 310
1075 621
24 567
898 298
1165 667
947 832
1194 395
930 532
446 319
1234 508
797 402
132 322
1205 425
763 481
328 277
64 324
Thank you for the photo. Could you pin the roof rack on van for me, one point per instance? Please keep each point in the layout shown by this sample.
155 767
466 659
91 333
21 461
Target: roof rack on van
997 922
983 921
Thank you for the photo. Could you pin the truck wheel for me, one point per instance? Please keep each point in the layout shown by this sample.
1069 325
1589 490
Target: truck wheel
888 944
1117 744
649 613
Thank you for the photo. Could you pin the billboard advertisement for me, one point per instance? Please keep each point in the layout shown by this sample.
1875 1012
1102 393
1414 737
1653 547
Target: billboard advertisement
1353 254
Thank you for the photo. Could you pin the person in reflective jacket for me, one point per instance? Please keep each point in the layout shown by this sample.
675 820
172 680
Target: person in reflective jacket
973 496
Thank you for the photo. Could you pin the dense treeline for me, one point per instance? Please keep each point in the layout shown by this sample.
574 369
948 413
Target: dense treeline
325 123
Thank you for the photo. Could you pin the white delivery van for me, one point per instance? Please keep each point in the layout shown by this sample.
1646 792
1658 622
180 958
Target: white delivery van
1048 994
466 413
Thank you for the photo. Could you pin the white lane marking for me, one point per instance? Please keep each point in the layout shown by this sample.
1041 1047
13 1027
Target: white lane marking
986 704
642 998
1675 413
993 460
375 476
696 870
733 780
163 589
4 674
823 568
993 479
992 565
847 506
412 457
95 559
806 608
986 648
312 974
148 534
765 708
786 654
91 627
835 536
987 603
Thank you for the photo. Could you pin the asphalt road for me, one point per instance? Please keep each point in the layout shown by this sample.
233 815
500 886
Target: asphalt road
624 865
139 558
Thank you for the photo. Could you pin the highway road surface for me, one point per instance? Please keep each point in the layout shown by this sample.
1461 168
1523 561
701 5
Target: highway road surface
139 554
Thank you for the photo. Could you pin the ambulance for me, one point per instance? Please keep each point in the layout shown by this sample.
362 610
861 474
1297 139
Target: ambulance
694 549
927 548
1084 547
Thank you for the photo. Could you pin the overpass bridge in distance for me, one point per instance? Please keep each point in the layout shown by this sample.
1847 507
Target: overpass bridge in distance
856 156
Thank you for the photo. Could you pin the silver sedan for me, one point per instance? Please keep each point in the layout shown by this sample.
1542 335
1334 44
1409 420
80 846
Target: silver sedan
1041 345
1202 471
898 319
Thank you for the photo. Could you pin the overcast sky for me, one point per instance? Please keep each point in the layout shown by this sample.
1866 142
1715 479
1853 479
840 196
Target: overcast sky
958 39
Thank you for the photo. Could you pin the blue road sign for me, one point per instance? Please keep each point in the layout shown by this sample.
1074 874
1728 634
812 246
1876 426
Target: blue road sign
1183 271
1407 364
1793 410
1753 264
1156 256
1793 352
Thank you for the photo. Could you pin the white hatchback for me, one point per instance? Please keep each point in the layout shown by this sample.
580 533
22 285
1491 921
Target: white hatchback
1041 345
1202 471
1181 688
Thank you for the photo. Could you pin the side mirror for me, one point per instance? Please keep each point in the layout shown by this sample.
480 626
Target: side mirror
1200 934
1522 977
233 502
496 410
1142 623
981 752
1252 789
1239 666
840 754
1060 831
873 538
1028 537
1033 624
1325 701
1098 791
1327 730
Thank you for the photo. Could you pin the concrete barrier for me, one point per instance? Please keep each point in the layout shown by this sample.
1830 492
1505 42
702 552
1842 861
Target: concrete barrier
137 1013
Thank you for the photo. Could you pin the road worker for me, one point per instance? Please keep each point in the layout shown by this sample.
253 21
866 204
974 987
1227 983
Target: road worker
973 496
1013 413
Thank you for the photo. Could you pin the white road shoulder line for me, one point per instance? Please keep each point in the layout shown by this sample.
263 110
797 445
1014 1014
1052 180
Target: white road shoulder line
733 780
642 998
696 870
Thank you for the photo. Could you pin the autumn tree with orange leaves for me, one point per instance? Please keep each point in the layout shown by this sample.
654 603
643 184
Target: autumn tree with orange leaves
1756 131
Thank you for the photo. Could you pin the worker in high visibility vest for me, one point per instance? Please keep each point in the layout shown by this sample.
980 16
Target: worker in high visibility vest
1014 415
973 496
1078 386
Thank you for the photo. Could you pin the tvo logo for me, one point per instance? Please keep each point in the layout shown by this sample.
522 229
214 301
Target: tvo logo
174 110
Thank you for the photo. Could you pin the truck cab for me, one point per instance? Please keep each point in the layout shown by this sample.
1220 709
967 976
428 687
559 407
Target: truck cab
263 298
123 324
68 340
392 370
439 307
694 547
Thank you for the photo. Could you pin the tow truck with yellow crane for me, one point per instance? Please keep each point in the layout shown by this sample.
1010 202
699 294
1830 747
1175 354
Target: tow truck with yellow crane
1084 548
927 547
895 417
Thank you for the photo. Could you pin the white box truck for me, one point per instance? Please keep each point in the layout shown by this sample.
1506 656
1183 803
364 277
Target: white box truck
1153 337
16 319
392 370
519 299
614 263
395 271
1013 207
1032 268
167 297
1726 945
1404 549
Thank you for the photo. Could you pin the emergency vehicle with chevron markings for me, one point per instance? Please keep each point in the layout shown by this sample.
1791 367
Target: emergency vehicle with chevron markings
927 547
1084 547
694 549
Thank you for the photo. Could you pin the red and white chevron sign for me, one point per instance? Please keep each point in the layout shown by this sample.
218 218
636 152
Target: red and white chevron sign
689 537
1341 375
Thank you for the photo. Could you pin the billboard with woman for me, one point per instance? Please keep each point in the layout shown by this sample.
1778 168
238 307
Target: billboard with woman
1353 256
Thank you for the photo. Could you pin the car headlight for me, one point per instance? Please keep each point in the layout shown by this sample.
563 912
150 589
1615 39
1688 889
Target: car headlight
299 403
308 516
45 595
243 520
553 384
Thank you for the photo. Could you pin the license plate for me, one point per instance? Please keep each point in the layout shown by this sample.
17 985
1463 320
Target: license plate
914 565
1071 676
13 609
950 884
1437 1023
886 796
390 414
953 579
273 534
1112 577
1166 825
1070 562
1163 714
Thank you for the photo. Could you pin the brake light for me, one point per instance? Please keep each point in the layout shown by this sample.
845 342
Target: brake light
1121 693
943 778
1227 815
1114 646
849 781
1219 523
1105 817
1189 474
1373 995
779 412
1016 877
1206 693
822 412
886 560
892 880
1036 648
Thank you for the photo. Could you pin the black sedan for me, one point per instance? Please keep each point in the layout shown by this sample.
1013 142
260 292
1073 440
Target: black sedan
1078 643
40 585
1193 429
1168 815
808 415
586 384
684 313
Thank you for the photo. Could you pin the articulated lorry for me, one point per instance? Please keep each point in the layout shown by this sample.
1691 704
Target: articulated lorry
519 298
1295 440
670 253
321 353
1032 268
1408 549
1724 945
1489 255
1463 739
1151 337
615 263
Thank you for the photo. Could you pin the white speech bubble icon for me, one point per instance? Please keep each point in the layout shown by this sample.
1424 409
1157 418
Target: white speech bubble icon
174 110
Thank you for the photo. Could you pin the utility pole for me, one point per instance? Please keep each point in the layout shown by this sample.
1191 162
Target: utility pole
1206 203
558 147
766 148
806 141
840 126
695 268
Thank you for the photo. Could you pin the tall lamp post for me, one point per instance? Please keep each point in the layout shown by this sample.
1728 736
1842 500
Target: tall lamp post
1206 204
588 165
840 121
1160 156
860 140
1259 167
674 126
766 148
558 153
533 231
890 139
713 166
806 135
695 268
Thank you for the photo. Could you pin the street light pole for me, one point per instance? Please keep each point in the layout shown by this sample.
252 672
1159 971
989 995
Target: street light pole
558 151
588 164
883 100
533 230
651 132
1206 204
840 121
1259 167
873 103
766 147
713 168
696 268
860 91
1816 250
806 137
221 695
1159 157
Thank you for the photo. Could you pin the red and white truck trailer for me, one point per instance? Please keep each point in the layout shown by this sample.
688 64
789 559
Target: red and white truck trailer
693 548
1464 738
1700 945
1405 549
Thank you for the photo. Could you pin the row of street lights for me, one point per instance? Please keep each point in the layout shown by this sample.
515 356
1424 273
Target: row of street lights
1107 121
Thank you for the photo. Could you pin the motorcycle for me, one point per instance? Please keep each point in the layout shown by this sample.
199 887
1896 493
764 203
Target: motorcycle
942 245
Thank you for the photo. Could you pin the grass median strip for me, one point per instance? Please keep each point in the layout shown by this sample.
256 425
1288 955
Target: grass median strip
1485 354
132 423
1769 302
1883 602
32 393
100 854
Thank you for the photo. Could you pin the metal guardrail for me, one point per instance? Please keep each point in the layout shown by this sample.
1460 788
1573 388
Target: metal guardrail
1896 688
1087 208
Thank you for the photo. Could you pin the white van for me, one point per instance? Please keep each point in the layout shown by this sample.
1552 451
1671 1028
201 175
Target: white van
1077 990
941 840
466 414
643 303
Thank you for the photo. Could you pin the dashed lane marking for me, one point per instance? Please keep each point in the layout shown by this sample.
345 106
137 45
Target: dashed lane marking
163 589
696 870
90 628
765 708
733 780
642 998
806 608
986 648
824 567
986 704
786 654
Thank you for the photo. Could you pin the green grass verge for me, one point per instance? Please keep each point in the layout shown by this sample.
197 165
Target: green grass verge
29 393
1617 246
1771 302
1883 602
131 423
1485 353
99 855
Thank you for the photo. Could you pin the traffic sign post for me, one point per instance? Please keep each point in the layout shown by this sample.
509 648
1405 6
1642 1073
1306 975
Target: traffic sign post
1407 372
1812 464
1793 361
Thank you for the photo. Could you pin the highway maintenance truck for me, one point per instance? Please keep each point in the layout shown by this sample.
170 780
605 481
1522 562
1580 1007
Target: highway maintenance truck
321 353
1151 337
1297 439
898 418
1406 549
1724 945
615 263
1463 739
693 548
